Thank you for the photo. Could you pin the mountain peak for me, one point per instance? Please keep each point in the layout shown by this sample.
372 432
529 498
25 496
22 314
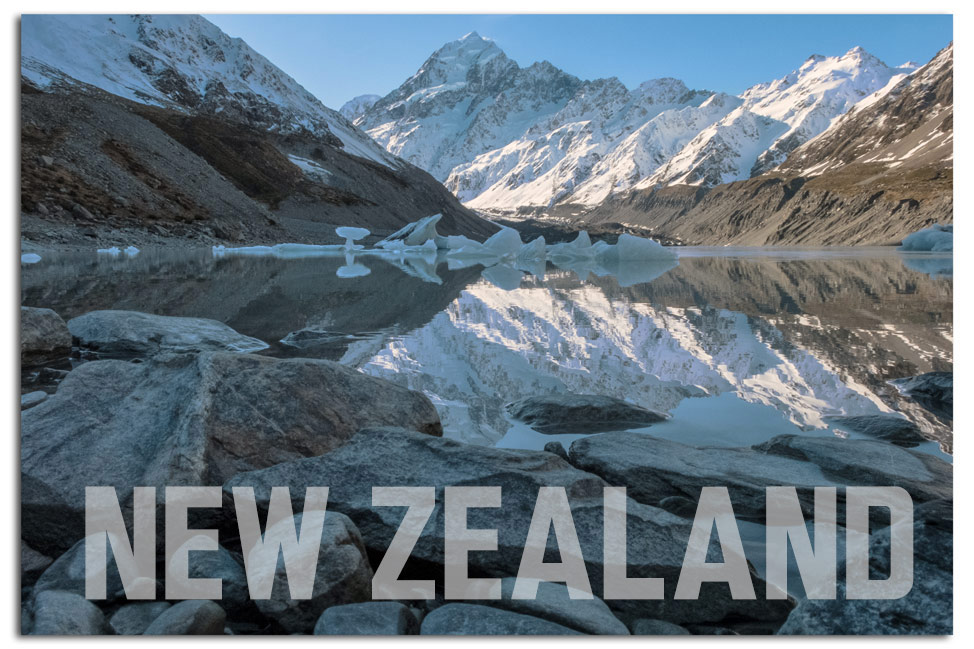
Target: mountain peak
472 36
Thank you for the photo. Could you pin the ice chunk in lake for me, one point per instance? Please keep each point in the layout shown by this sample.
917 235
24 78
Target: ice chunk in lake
113 251
531 251
505 243
632 248
351 235
131 251
30 258
937 238
581 247
416 234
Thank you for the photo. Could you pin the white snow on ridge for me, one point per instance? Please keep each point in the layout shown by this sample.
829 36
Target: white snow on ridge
177 61
502 137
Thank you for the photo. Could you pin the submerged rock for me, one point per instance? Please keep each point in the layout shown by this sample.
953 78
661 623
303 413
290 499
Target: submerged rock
475 619
342 576
581 413
189 419
889 428
190 617
670 475
44 337
367 618
392 456
933 390
131 333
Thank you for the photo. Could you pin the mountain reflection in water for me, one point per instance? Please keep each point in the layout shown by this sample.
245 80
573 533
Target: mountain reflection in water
738 345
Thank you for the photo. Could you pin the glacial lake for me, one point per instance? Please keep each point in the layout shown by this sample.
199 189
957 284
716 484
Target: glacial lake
738 345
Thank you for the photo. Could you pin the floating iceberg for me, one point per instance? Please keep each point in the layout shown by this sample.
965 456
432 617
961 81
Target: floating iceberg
351 235
115 251
630 248
30 258
416 233
937 238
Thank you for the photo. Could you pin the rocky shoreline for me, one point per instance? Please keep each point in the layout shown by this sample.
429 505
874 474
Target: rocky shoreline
153 401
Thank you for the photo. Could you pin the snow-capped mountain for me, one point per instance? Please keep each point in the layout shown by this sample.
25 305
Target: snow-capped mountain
908 123
506 139
776 118
356 106
183 62
591 152
467 98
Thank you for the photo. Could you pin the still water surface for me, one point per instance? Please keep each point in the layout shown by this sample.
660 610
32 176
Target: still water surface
738 345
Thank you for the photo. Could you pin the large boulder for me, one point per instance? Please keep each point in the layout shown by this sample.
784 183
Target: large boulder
475 619
43 337
135 618
665 473
926 610
189 419
391 456
132 333
933 390
190 617
67 575
32 564
367 618
554 603
581 413
894 429
342 576
60 613
222 565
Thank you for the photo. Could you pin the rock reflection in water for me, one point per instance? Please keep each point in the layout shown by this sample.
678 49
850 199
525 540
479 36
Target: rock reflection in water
776 341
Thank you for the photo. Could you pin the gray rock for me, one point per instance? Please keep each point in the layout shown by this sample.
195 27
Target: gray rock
43 337
343 576
67 574
926 610
474 619
60 613
220 564
32 399
888 428
933 390
367 618
131 333
557 448
670 475
189 419
389 456
45 160
81 212
191 617
553 603
644 626
32 564
134 619
581 413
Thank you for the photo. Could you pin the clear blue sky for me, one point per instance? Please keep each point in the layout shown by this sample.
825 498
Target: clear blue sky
337 57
